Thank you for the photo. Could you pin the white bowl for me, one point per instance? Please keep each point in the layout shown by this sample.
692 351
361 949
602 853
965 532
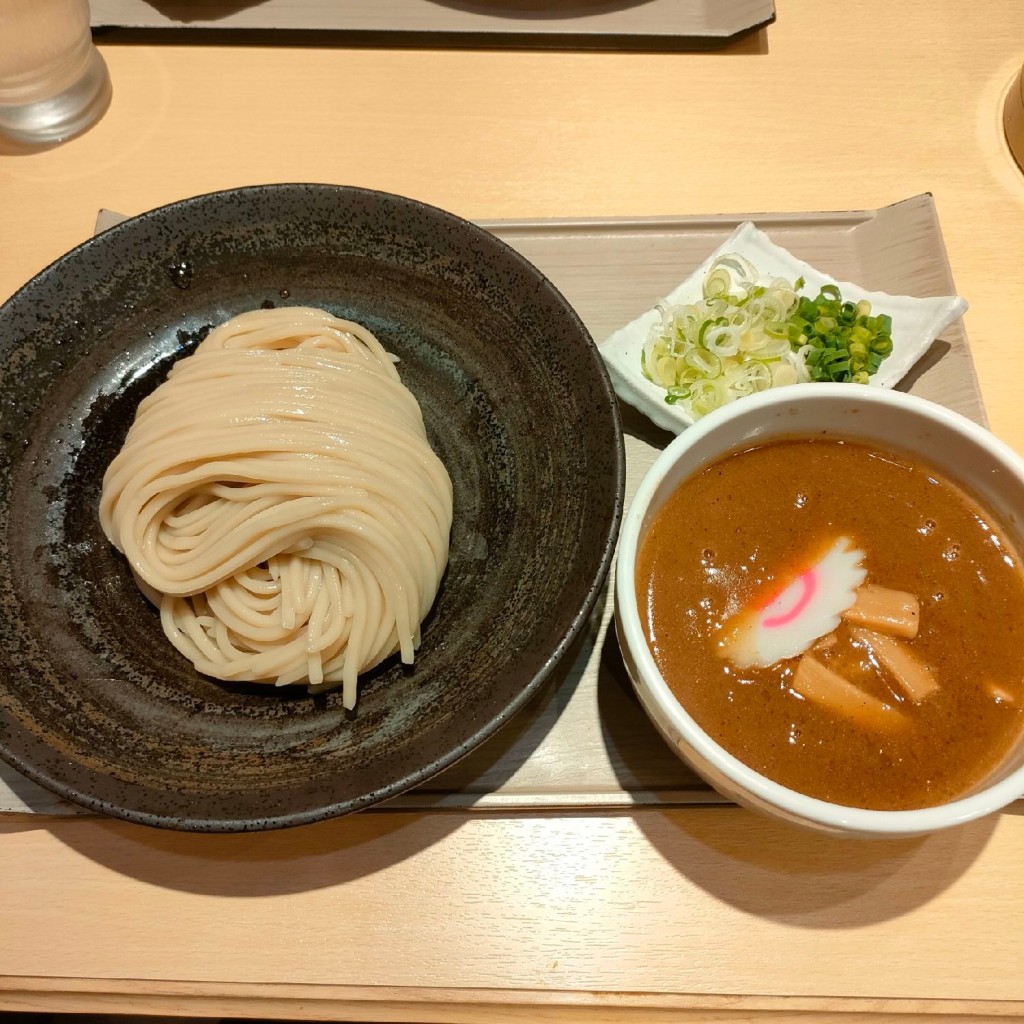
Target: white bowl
967 453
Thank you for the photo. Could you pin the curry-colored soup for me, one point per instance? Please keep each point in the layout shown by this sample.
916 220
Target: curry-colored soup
732 536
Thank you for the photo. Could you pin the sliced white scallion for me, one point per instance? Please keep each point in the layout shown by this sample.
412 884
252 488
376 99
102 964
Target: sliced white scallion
733 342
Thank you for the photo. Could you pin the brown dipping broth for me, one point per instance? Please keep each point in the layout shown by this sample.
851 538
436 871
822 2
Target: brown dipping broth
740 530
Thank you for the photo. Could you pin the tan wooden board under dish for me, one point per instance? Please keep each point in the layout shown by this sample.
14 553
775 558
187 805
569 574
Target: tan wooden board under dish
620 24
584 741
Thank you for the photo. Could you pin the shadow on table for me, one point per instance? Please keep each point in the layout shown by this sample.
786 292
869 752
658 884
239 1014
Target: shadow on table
808 879
330 853
768 868
761 866
309 857
490 766
778 871
278 863
641 759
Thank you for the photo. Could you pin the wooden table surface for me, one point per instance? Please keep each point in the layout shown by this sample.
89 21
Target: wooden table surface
702 914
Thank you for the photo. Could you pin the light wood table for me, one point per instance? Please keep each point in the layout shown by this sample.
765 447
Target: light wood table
703 914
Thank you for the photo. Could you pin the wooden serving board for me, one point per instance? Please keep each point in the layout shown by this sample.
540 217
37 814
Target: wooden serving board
584 741
618 24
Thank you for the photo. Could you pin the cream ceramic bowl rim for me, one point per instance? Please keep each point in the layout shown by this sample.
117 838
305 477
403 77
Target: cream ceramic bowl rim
835 816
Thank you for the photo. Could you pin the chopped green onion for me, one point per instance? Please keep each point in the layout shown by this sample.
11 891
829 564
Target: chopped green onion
745 335
841 341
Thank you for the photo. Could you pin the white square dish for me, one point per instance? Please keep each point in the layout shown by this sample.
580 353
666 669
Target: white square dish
916 323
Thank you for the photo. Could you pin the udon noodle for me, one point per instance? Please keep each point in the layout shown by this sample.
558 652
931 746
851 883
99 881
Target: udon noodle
278 500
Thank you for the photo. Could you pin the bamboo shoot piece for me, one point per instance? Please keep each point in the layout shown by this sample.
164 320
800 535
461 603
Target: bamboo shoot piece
913 677
815 682
827 641
894 612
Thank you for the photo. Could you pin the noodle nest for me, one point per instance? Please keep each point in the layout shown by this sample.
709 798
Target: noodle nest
277 499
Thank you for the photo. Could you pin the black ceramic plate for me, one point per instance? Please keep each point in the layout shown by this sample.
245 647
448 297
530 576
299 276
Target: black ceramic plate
94 703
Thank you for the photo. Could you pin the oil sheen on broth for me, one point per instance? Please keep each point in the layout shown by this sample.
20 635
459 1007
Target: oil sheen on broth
735 534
